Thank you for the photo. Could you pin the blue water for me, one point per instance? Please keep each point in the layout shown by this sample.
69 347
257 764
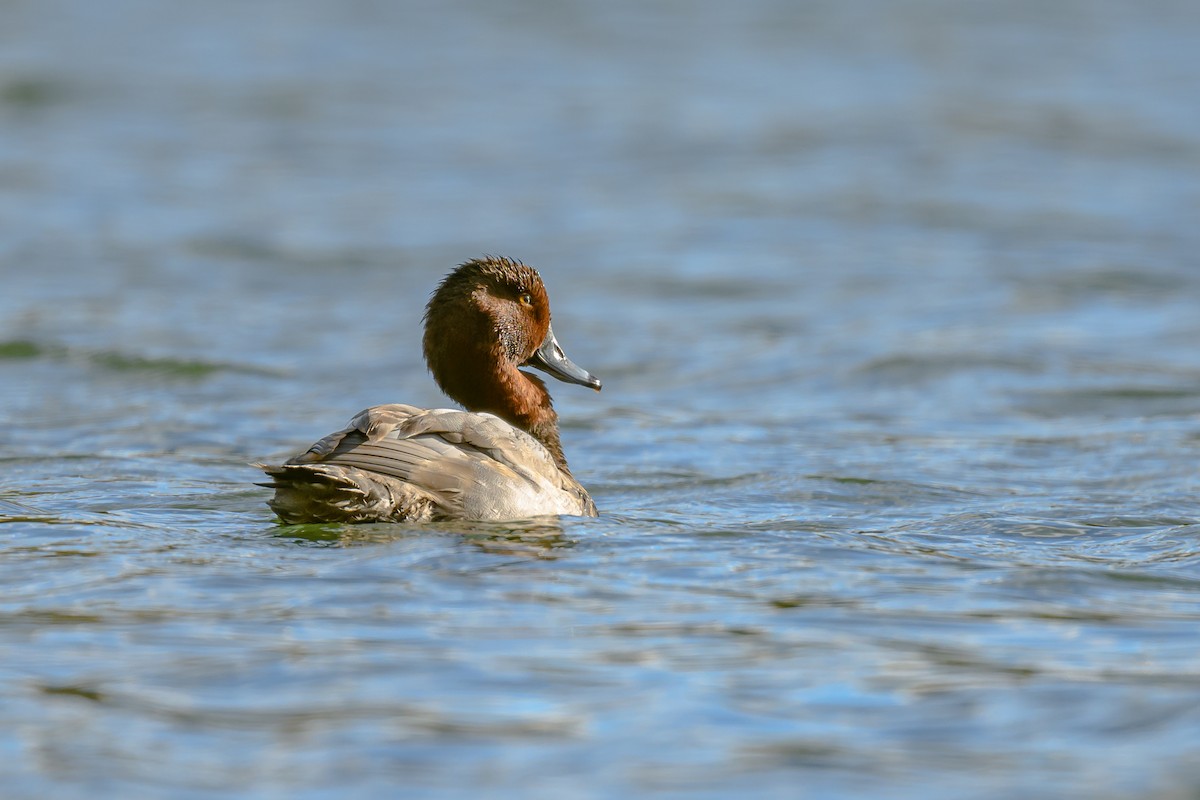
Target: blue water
895 305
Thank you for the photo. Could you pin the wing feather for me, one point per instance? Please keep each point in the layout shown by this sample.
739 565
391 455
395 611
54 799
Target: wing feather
469 465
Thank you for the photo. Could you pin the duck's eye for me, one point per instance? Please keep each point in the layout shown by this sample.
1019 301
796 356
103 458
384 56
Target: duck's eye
525 298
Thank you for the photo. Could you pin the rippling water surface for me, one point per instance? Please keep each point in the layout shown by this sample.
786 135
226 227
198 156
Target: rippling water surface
896 305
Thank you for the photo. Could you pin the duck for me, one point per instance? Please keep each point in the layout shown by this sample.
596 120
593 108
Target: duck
497 459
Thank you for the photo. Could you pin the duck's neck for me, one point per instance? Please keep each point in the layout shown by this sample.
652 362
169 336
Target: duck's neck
534 413
518 398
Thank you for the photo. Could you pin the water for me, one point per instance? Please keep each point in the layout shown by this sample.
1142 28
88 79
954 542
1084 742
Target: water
895 304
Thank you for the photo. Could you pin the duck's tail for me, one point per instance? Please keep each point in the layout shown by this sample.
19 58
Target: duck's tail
332 493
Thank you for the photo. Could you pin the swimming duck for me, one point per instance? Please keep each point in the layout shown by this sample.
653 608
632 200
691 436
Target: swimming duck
500 459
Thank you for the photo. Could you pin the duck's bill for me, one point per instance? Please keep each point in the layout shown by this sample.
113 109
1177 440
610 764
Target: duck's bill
551 359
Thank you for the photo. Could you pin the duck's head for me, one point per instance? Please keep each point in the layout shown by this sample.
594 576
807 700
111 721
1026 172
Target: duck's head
486 318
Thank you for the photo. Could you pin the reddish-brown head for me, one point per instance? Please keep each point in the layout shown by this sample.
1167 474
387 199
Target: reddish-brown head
486 318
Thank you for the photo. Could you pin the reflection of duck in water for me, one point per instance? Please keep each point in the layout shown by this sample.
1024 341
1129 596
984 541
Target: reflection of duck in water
501 459
540 538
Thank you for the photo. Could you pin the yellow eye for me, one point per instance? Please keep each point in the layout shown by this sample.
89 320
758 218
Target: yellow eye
526 298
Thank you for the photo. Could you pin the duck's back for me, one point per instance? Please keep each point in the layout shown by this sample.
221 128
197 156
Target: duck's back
402 463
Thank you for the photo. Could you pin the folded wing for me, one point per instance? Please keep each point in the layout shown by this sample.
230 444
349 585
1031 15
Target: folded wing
399 462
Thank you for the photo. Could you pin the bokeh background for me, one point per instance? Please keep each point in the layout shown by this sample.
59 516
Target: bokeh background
897 305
